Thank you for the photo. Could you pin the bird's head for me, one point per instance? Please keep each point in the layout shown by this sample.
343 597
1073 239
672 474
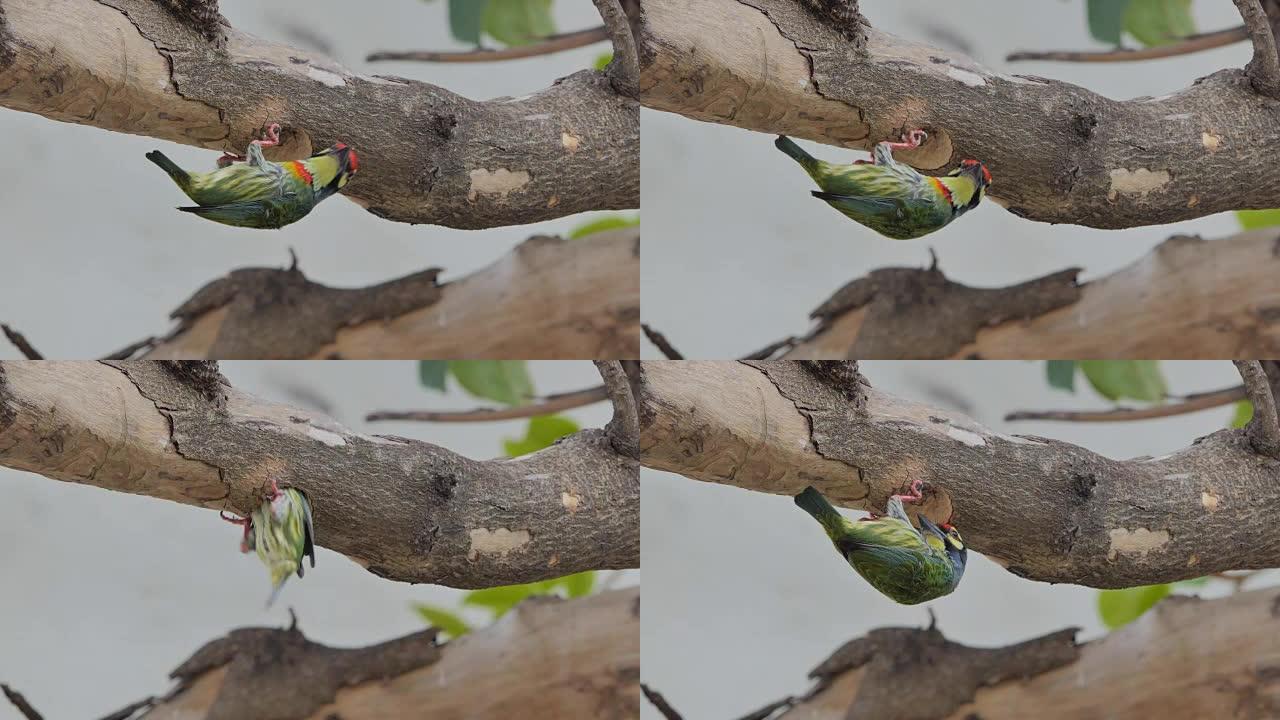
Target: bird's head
947 538
332 168
968 184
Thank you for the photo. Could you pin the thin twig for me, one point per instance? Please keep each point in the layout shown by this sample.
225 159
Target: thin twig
546 46
543 406
624 70
770 710
19 341
125 713
1264 68
21 703
1264 428
1190 404
1185 46
660 341
768 351
624 428
129 351
660 703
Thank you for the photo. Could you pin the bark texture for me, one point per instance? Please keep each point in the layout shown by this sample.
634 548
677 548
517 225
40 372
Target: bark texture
549 298
1188 298
587 652
1059 153
1186 658
427 155
406 510
1044 509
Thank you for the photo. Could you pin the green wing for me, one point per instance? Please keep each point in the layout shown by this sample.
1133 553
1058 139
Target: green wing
253 213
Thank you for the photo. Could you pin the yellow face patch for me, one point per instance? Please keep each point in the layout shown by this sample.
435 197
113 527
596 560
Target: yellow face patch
953 539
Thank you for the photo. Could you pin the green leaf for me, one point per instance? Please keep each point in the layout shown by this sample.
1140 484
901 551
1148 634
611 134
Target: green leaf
498 600
1106 19
542 432
609 222
1254 219
447 621
431 373
504 381
578 584
1117 379
1061 374
519 22
466 18
1159 22
1118 608
602 61
1242 415
1192 583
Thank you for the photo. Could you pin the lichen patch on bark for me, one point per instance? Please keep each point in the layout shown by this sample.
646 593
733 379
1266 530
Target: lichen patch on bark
1140 182
501 542
1139 542
501 182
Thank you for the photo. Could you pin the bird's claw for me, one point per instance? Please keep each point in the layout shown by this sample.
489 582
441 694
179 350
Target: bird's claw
916 493
910 140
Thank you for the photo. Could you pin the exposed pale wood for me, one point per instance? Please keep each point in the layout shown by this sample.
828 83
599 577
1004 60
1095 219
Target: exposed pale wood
404 509
1059 153
1045 509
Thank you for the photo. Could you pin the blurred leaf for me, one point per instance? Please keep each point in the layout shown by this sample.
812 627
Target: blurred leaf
1061 374
609 222
1118 608
504 381
1159 22
1118 379
1106 19
431 373
519 22
579 584
602 61
1254 219
499 600
1192 583
465 19
542 432
1243 414
447 621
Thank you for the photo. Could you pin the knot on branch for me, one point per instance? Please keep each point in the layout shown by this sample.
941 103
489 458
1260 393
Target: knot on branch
843 16
283 670
919 313
202 16
842 376
279 313
898 658
7 53
202 376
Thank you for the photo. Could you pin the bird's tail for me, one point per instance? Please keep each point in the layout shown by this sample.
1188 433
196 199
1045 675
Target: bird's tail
812 502
797 153
179 175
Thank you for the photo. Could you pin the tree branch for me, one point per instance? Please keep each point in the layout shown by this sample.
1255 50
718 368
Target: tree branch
624 433
587 652
548 298
427 155
20 341
660 341
20 703
1192 403
546 46
1185 46
1181 300
405 510
542 406
1212 651
1046 510
1264 427
1059 153
624 70
1264 68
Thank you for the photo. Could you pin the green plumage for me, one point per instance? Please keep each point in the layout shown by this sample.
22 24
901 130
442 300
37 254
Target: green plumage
258 193
280 532
890 197
909 566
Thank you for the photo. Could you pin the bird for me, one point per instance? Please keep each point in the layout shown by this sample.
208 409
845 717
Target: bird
280 531
890 197
251 191
907 565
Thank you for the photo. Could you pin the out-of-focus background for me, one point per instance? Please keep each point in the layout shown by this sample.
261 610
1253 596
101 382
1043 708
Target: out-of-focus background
743 594
95 256
737 253
102 594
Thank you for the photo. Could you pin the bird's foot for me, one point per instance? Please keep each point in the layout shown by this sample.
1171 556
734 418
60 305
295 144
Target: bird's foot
916 492
246 523
863 162
229 158
271 136
275 486
910 140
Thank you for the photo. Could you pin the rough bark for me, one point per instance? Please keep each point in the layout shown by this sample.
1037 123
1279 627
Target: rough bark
1059 153
1188 298
1044 509
1186 658
587 652
427 155
548 299
404 509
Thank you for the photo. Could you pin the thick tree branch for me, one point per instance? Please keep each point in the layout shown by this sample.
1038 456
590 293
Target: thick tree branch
1189 404
1186 658
586 653
427 155
1045 509
548 299
1183 299
404 509
1059 153
545 46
